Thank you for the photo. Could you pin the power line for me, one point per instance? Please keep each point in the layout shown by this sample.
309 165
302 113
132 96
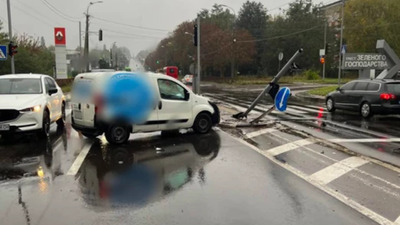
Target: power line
129 25
281 36
60 13
129 34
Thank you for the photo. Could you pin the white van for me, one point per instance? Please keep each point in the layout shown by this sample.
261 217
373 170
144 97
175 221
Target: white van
171 112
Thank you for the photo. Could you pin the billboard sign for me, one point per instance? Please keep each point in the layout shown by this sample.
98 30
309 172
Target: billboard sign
59 36
359 61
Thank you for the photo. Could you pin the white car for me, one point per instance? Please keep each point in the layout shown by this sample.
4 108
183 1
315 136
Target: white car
30 102
175 107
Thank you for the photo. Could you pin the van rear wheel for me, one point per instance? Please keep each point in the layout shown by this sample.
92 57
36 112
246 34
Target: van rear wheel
117 134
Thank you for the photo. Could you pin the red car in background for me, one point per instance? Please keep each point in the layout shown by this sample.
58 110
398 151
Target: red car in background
171 71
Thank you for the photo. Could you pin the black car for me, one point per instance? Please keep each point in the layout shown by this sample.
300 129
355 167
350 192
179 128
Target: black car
367 97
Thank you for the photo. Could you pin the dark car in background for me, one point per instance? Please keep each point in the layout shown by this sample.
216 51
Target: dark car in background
368 97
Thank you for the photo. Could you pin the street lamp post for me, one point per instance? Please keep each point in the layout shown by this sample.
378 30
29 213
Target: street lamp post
87 35
233 39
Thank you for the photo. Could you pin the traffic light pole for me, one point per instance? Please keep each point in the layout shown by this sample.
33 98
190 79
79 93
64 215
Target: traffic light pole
10 35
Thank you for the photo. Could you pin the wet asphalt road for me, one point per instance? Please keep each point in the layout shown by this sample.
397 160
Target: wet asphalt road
187 179
313 115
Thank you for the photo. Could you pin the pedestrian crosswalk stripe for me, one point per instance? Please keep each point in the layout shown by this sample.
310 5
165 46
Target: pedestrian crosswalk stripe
289 146
260 132
397 221
337 170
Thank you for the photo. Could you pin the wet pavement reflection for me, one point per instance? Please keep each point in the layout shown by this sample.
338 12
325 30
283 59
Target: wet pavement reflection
144 170
29 155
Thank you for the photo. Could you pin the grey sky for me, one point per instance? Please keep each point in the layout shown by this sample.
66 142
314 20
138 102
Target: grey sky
34 18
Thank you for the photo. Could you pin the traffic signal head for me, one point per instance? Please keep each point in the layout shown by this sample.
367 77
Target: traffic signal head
100 35
12 48
195 35
322 60
158 61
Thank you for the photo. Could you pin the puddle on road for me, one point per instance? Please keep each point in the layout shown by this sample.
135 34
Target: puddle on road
145 170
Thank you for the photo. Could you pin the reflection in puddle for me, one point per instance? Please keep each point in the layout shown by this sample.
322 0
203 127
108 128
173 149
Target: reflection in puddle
137 173
29 156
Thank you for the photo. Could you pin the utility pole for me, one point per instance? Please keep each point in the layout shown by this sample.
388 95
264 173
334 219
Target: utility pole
197 87
323 65
86 53
10 35
80 39
341 45
86 50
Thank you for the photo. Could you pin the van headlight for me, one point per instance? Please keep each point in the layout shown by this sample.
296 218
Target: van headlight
32 109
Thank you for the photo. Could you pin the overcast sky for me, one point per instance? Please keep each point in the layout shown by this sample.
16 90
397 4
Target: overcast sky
159 17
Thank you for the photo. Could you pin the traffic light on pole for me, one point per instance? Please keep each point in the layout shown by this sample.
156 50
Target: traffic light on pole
100 35
322 59
12 48
195 34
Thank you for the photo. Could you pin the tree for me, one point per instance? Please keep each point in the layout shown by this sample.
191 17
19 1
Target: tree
366 21
254 18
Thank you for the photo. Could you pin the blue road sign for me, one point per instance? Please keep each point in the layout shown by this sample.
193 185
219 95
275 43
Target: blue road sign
281 99
3 52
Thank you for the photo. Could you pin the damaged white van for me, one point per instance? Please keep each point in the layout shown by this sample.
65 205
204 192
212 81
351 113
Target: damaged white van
120 103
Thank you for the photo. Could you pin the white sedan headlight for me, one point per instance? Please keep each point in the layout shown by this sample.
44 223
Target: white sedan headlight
32 109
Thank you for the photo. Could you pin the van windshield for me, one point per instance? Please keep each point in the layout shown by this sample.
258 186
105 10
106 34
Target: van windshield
20 86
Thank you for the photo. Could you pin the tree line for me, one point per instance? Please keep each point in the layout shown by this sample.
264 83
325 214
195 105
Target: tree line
254 37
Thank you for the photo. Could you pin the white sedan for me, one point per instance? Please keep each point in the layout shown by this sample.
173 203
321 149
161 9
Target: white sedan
30 102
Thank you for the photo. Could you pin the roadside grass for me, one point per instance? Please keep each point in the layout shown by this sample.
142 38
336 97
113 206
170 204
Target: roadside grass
253 80
323 91
66 88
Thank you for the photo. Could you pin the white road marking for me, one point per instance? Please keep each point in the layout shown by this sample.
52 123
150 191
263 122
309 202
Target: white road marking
308 110
364 140
260 132
288 147
397 221
341 197
79 160
337 170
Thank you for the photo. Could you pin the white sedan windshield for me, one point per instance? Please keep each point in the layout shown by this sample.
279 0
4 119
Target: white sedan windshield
20 86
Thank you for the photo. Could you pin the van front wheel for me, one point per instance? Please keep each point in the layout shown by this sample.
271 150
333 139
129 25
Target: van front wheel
117 134
202 123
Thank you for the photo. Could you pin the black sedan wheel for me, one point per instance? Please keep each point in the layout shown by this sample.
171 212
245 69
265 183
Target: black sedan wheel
365 110
330 105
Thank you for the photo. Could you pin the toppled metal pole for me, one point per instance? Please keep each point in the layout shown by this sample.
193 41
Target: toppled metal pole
271 85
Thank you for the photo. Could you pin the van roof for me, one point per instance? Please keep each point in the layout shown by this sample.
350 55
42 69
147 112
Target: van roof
94 75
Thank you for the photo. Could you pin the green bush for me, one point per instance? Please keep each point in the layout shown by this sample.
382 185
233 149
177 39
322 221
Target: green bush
311 75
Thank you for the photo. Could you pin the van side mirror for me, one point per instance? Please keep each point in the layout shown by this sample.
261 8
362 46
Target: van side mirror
187 95
338 89
52 91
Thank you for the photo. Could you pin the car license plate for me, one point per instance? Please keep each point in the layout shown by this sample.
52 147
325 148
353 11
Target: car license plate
4 127
78 115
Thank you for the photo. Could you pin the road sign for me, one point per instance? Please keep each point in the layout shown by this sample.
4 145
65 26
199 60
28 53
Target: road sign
280 56
358 61
3 52
321 52
281 99
344 49
59 36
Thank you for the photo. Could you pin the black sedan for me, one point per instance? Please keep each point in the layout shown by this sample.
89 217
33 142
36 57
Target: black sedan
367 97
